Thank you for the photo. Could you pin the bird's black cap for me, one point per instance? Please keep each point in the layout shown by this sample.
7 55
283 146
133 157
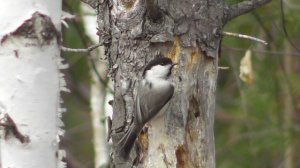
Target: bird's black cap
157 61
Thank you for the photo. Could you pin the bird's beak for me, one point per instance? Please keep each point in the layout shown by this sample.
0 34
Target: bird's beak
174 64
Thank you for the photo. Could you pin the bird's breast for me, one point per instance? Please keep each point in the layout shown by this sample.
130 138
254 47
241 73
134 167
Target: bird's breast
158 84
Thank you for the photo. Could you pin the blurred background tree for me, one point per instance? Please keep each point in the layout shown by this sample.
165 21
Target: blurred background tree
257 121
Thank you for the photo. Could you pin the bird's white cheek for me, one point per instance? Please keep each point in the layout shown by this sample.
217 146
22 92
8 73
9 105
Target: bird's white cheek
158 71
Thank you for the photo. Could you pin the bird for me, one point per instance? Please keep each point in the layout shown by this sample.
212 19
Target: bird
154 91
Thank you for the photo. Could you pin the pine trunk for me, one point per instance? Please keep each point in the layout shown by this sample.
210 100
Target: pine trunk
189 32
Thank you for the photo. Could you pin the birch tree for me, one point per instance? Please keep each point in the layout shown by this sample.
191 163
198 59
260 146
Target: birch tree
189 32
30 84
98 93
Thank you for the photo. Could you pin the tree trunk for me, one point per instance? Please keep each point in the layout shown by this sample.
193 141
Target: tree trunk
98 92
288 107
30 84
98 95
189 32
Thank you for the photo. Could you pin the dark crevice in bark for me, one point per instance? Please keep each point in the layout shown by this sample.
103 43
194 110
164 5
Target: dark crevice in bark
154 13
194 106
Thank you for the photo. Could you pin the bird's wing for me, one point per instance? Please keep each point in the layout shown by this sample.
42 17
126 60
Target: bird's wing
150 101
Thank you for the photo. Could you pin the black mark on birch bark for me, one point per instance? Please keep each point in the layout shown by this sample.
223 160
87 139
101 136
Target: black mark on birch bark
10 127
39 27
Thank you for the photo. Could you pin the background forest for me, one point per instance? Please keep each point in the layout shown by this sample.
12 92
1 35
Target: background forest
256 120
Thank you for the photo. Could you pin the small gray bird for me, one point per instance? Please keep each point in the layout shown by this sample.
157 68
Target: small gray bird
154 92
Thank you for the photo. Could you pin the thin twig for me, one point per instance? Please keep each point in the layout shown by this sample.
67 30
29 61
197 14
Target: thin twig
86 50
85 40
223 68
224 47
283 22
245 37
67 16
263 26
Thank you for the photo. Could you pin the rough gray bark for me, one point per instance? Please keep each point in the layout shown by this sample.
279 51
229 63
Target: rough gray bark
189 32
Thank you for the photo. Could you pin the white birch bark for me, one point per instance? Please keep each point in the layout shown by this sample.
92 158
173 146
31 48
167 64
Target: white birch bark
98 92
30 84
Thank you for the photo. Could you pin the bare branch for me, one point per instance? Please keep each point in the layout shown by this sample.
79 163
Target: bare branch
244 7
279 53
66 17
245 37
83 50
284 27
223 68
92 3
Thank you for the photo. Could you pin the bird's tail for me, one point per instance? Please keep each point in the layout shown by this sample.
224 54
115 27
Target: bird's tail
126 143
